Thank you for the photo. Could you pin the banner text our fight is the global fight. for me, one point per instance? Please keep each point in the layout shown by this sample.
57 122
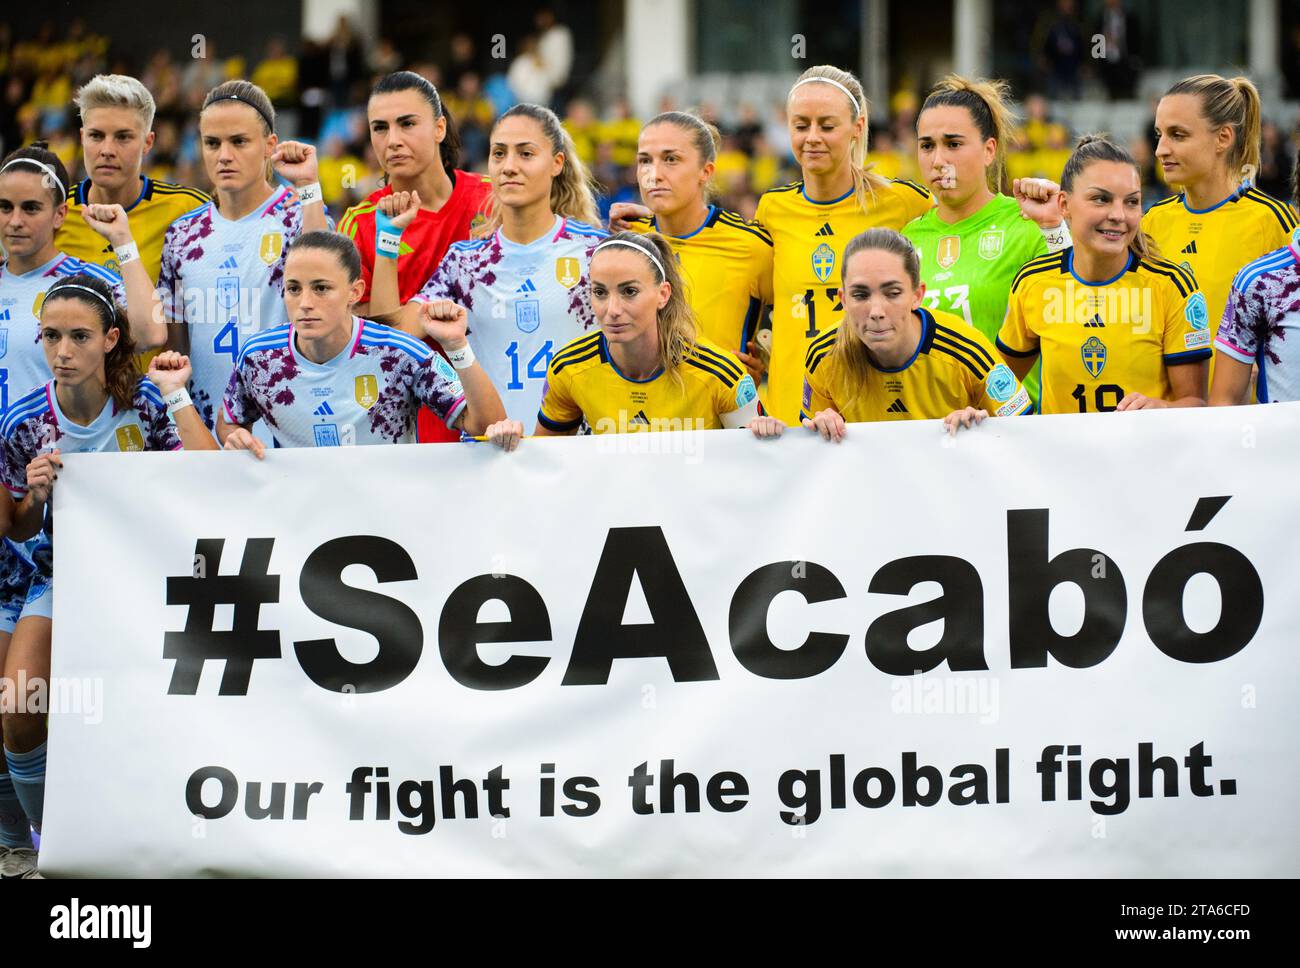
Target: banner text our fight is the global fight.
1055 645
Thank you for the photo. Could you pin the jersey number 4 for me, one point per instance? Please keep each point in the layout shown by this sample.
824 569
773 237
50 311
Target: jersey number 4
537 366
227 341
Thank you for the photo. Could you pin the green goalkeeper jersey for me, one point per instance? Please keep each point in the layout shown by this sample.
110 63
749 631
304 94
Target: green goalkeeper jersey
968 266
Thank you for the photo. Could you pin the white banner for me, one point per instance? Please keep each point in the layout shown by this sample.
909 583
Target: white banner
1059 645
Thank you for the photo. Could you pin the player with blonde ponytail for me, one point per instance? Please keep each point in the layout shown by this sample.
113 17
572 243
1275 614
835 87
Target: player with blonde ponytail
647 368
1208 131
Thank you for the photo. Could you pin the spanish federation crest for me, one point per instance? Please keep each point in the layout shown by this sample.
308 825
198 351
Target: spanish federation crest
948 251
823 262
990 245
270 247
367 390
567 272
1093 352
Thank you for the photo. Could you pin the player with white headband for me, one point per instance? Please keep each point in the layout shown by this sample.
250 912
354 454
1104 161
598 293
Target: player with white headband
96 402
222 270
646 369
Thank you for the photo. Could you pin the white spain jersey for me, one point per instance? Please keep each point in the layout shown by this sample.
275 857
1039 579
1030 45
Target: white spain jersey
525 303
22 360
368 394
225 280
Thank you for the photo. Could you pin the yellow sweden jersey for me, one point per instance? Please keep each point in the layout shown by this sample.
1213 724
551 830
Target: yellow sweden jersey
954 366
727 262
160 203
1101 342
1214 243
584 385
810 238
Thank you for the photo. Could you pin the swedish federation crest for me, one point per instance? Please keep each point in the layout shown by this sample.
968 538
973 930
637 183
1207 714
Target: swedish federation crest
823 262
1093 352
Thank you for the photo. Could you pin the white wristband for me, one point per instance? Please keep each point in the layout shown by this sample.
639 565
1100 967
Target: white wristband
126 253
176 400
308 194
1057 237
463 358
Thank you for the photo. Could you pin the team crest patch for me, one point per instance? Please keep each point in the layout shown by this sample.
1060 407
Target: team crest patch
823 262
1001 383
948 251
36 306
1093 352
567 272
528 315
129 438
228 291
1196 312
270 247
367 390
990 245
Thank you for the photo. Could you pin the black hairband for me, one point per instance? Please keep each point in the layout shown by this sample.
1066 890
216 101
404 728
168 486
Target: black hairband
270 125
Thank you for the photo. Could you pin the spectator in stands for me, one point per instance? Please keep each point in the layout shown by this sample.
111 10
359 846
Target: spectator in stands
277 74
464 58
1274 175
345 64
385 58
1062 52
528 76
1120 57
555 47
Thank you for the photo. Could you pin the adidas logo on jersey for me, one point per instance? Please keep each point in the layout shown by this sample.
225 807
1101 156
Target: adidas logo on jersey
1190 248
1095 322
324 409
640 418
527 286
229 264
825 229
897 406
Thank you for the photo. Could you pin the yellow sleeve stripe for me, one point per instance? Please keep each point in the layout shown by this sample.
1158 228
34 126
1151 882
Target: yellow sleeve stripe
939 346
1281 211
1047 263
718 360
973 347
815 360
753 228
920 190
708 367
583 345
1182 279
825 341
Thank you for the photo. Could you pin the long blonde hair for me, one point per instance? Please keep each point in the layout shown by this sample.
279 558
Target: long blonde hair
851 352
1234 103
675 323
988 103
865 181
573 193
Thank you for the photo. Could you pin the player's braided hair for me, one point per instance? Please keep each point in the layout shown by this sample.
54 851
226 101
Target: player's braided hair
851 351
1233 103
704 137
573 191
676 321
449 147
121 375
38 151
989 105
1095 147
865 181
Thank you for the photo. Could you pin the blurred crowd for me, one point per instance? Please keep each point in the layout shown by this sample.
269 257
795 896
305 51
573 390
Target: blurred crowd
320 91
